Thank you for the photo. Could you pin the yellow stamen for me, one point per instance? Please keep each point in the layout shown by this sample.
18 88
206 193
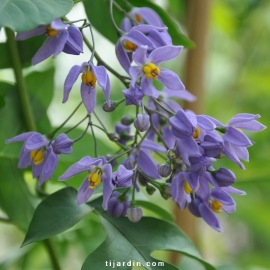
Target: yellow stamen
129 46
37 156
138 18
187 188
89 79
196 133
216 206
94 180
50 32
151 71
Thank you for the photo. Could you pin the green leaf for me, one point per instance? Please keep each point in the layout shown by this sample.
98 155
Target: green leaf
4 87
161 212
15 198
128 241
25 15
27 49
56 214
41 95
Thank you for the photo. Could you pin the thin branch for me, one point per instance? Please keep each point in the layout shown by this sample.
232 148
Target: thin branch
76 124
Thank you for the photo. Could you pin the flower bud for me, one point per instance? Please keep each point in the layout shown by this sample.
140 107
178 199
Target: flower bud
134 214
108 108
127 120
150 189
166 192
164 170
62 144
142 122
117 207
225 177
142 179
113 136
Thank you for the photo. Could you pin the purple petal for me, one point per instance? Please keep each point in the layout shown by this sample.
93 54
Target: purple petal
241 152
146 28
51 46
209 217
158 39
134 72
170 79
149 15
57 24
49 167
84 193
139 39
107 184
21 138
230 153
80 166
177 190
189 146
88 97
74 44
40 30
164 53
71 79
236 137
150 145
24 159
126 24
122 56
35 142
192 179
205 123
183 94
220 195
234 190
147 165
139 56
148 88
168 136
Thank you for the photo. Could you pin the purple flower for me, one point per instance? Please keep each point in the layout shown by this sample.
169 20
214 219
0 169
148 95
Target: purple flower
117 205
122 177
60 37
62 144
141 35
145 161
124 133
90 75
98 171
133 95
37 152
148 69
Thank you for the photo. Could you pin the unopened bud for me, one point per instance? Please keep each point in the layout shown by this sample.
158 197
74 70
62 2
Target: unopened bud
164 170
134 214
113 136
150 189
225 177
142 179
142 122
127 120
166 192
109 108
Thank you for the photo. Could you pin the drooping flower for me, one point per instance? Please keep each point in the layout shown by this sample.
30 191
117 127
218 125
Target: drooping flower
42 156
60 37
90 75
97 171
133 96
148 69
122 177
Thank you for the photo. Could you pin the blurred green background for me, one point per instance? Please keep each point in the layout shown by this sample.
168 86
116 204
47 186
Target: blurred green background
237 79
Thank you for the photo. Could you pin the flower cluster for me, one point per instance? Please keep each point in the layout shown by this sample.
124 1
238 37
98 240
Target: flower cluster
188 143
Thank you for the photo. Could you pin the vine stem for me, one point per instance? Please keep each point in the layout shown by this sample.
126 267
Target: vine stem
49 246
27 113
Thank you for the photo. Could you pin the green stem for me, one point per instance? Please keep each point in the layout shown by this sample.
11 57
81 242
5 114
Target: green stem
27 113
50 249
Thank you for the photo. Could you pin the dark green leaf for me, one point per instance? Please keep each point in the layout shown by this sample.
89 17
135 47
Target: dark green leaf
40 87
15 198
161 212
56 214
25 15
27 49
128 241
